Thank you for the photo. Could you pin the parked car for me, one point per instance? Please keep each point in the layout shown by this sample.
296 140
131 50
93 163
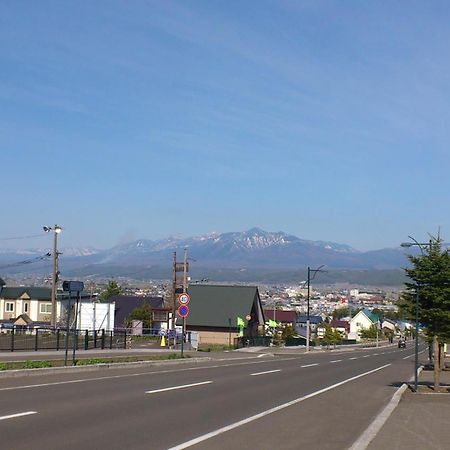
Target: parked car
401 343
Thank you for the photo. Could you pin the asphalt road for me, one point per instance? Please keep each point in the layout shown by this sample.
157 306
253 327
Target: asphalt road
320 401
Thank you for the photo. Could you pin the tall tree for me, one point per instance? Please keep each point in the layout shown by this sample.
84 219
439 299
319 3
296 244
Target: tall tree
430 280
143 313
112 288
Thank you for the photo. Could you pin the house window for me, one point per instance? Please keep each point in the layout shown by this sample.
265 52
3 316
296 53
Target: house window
45 308
160 316
9 307
25 307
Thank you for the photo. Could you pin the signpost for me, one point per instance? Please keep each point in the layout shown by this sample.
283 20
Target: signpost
78 287
183 312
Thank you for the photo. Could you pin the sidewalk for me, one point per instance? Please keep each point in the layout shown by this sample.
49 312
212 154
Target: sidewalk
420 421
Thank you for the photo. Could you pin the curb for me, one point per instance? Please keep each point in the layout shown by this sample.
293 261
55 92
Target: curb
374 428
94 367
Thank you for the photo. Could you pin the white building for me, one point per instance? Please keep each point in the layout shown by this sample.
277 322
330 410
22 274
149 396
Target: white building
362 321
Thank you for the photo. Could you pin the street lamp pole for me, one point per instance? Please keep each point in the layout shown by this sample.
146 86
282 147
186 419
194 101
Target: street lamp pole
309 279
416 342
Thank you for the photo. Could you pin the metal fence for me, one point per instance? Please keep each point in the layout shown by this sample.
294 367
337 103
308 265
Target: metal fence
34 339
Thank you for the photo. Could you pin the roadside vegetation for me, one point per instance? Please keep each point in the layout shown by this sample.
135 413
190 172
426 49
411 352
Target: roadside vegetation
30 364
429 288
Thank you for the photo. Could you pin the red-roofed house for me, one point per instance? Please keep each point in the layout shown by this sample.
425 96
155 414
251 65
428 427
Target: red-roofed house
280 315
341 325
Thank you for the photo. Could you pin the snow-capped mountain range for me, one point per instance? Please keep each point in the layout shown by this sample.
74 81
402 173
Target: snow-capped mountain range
252 248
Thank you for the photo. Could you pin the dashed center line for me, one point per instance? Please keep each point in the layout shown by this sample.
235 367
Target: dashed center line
336 361
310 365
366 356
12 416
355 357
267 371
177 387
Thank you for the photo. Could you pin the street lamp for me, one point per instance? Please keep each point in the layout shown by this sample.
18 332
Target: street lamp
314 272
421 245
56 230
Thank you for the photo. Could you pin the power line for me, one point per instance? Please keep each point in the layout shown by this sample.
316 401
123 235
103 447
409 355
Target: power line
27 261
22 237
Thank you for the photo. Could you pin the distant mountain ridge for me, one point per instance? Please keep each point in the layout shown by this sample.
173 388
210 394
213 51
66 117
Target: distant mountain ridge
254 248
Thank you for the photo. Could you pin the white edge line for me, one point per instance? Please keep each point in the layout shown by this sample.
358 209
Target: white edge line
222 430
12 416
267 371
373 429
177 387
310 365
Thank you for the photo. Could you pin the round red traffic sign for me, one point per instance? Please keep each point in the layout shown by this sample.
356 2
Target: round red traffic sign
183 311
248 317
184 299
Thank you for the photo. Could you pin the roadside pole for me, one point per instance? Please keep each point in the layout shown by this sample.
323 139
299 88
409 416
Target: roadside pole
307 310
67 329
75 334
78 287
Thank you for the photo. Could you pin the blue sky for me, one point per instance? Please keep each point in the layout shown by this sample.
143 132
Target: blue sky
128 119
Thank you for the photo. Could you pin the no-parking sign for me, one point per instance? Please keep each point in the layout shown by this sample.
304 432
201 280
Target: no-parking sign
183 311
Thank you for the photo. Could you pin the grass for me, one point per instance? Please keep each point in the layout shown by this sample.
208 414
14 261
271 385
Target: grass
36 364
17 365
214 348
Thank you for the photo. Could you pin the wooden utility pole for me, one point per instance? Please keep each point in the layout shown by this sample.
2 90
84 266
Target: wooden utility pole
185 270
174 289
56 230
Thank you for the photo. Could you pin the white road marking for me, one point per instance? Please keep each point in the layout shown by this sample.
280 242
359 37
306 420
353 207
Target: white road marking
184 386
336 360
375 354
409 356
372 430
12 416
366 356
269 411
310 365
140 374
355 357
267 371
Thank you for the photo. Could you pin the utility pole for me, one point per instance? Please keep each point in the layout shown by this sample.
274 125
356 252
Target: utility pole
307 310
185 270
309 279
174 288
55 273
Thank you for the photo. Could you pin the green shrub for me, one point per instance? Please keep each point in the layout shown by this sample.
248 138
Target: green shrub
3 366
36 364
88 362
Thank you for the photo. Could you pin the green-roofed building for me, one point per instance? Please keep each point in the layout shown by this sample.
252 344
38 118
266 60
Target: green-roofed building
362 321
214 309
